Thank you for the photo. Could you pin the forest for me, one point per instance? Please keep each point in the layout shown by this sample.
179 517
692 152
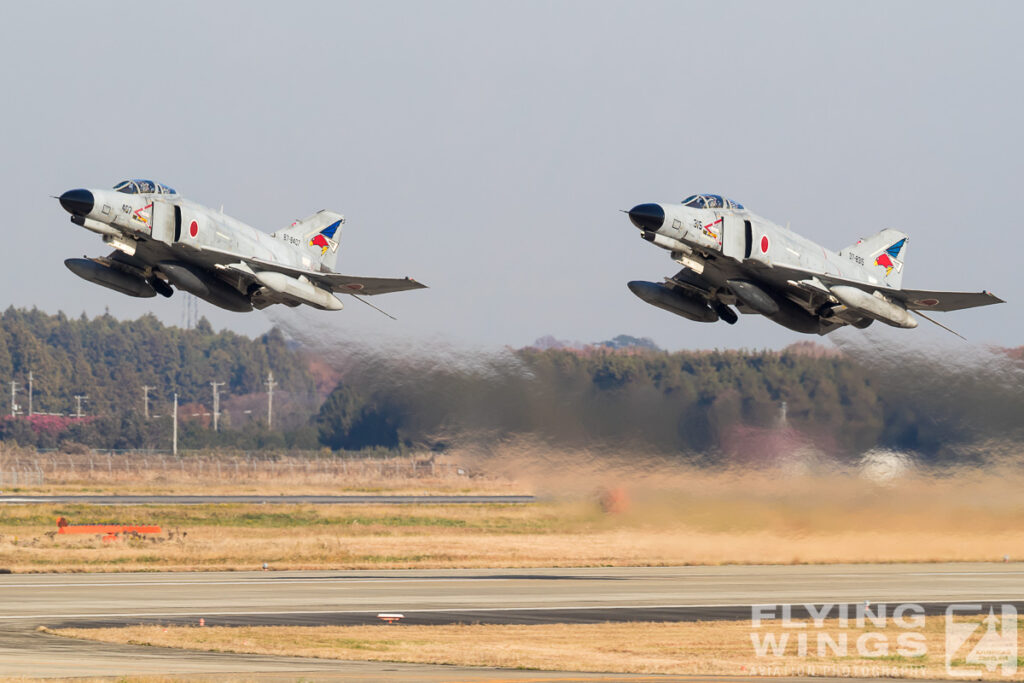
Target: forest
108 362
943 405
704 406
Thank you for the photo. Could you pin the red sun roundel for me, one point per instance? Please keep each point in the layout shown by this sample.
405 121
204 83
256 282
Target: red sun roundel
764 244
193 228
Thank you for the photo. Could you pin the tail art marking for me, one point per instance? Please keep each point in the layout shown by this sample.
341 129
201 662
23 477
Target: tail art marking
325 238
889 258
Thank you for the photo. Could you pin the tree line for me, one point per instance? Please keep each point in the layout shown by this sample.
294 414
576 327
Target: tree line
698 405
706 406
110 361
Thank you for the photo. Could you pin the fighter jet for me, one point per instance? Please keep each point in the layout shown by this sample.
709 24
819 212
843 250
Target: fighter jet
162 242
732 257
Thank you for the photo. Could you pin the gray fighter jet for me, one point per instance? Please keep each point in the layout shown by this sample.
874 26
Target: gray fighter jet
732 257
162 241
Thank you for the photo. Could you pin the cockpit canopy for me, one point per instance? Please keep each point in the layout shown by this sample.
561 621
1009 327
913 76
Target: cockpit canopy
138 186
711 201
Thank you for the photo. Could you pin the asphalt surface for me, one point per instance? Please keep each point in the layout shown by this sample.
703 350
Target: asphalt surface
435 596
310 500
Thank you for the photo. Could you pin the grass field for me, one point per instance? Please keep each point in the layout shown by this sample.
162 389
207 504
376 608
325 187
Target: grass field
212 473
707 648
691 518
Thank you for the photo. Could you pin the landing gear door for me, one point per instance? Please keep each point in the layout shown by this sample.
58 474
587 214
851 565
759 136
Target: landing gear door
166 221
733 238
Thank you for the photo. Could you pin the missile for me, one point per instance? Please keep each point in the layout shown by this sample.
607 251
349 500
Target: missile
774 306
874 307
299 288
674 301
754 297
200 283
111 278
184 278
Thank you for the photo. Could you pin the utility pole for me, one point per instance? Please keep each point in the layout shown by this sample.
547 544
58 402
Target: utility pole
145 398
78 405
14 401
30 393
270 398
216 404
174 442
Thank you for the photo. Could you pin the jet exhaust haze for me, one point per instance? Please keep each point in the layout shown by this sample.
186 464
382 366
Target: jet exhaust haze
499 406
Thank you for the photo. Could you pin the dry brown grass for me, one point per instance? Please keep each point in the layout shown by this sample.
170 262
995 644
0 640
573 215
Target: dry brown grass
706 519
235 678
707 648
664 514
232 474
133 679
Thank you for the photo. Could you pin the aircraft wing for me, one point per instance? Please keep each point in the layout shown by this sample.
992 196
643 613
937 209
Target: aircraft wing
913 299
334 282
924 300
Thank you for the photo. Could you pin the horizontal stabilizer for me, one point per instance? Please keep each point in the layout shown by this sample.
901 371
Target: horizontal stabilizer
924 300
351 284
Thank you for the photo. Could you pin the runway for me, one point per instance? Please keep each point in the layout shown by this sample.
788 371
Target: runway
433 596
307 500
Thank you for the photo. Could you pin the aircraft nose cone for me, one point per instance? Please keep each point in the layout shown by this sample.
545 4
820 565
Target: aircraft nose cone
647 216
77 202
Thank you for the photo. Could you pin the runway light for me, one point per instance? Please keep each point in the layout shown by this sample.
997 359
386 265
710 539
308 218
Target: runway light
202 622
390 617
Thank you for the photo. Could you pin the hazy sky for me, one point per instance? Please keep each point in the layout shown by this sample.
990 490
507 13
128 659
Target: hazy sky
486 148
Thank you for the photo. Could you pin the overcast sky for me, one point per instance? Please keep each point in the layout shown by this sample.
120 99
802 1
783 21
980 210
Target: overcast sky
486 148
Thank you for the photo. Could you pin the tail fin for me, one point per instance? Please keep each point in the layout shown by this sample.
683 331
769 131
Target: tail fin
316 236
883 254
